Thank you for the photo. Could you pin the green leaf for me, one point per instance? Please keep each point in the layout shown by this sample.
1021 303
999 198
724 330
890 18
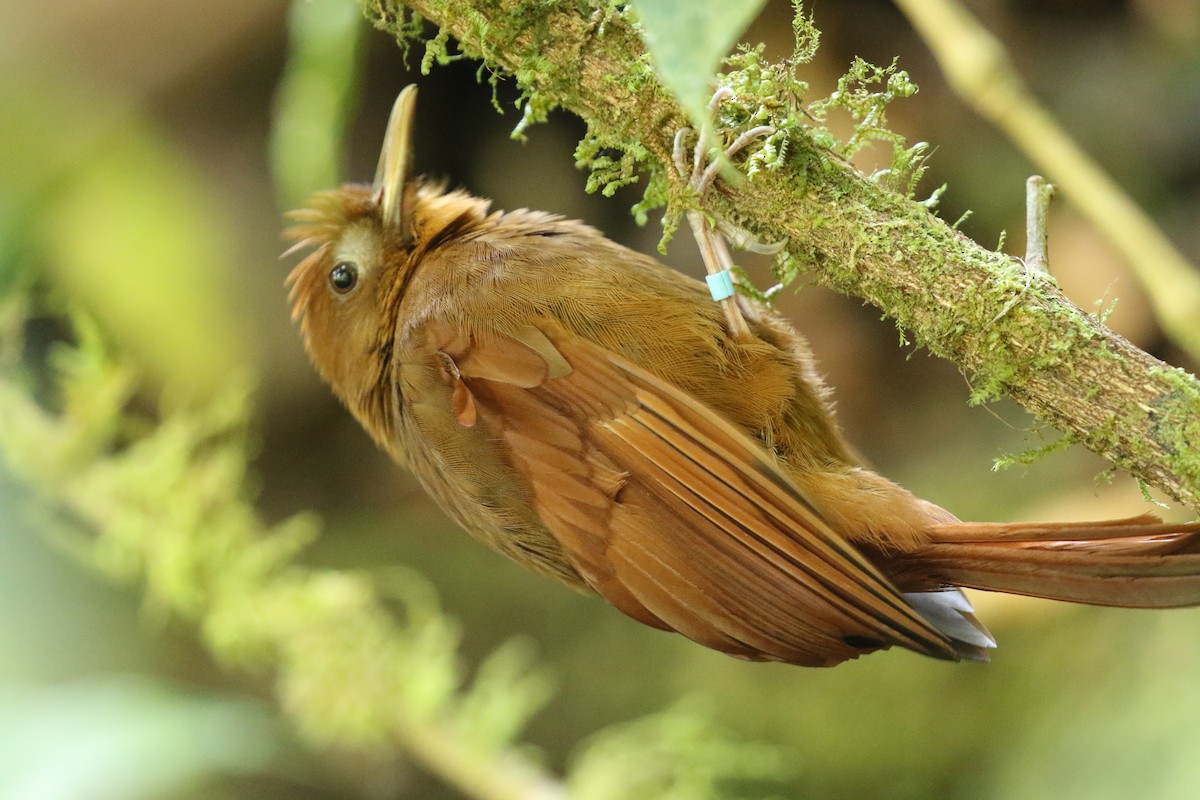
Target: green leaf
317 98
688 39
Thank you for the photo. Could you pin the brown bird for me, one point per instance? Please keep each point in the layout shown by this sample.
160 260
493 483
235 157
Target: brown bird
588 412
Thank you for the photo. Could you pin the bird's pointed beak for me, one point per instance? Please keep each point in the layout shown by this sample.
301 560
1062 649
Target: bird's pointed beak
394 190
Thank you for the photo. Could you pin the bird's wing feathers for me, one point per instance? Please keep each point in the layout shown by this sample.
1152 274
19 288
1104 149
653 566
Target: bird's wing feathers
671 513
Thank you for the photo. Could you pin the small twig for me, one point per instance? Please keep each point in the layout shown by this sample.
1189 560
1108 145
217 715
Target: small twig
1037 256
1038 193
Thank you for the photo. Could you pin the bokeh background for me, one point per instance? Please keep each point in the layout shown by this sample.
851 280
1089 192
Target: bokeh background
135 183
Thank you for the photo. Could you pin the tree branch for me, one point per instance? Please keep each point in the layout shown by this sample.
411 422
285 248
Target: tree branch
982 74
1011 328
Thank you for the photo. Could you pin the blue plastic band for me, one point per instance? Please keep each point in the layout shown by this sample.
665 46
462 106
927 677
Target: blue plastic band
720 285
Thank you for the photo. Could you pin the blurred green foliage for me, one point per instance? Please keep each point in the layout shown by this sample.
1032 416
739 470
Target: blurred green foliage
316 98
163 501
120 223
127 739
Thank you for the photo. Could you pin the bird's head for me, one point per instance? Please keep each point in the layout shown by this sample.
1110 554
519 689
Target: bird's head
366 242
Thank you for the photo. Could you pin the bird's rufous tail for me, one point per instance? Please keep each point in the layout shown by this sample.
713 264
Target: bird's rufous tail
1139 562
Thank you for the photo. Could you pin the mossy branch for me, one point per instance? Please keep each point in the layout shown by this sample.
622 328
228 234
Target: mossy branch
984 76
165 503
169 509
1009 327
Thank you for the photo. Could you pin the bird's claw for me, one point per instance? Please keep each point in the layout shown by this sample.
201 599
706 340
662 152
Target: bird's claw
701 174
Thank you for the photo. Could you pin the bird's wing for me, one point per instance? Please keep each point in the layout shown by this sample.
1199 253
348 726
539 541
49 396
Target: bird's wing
671 513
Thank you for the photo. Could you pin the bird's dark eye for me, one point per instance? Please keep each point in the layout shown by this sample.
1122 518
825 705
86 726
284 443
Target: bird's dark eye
344 276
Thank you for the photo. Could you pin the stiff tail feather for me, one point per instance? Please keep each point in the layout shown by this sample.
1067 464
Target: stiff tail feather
950 612
1140 562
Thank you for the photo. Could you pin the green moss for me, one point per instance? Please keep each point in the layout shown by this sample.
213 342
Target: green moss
804 32
1108 438
407 27
435 50
1033 454
865 92
1177 428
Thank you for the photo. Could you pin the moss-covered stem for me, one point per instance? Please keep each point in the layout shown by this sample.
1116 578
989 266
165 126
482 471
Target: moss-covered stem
1009 327
504 776
172 510
981 73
